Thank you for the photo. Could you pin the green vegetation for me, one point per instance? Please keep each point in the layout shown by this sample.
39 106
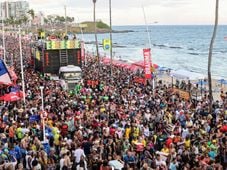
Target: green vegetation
102 25
88 26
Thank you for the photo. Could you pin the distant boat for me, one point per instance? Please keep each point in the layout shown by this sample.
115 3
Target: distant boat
225 38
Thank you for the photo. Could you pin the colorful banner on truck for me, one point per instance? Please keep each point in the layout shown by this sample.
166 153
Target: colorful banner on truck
69 44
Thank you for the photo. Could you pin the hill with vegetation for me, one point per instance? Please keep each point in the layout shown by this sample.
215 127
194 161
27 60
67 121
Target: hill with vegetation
89 27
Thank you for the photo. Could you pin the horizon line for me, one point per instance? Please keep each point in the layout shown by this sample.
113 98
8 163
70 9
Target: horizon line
171 25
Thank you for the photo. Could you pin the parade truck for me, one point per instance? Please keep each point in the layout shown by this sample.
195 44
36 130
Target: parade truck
59 58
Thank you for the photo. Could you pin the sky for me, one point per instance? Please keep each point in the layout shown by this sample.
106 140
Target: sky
130 12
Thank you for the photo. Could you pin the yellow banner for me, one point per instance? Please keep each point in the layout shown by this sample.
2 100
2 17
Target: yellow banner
106 44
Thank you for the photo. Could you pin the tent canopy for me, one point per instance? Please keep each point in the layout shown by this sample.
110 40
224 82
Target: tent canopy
186 75
222 81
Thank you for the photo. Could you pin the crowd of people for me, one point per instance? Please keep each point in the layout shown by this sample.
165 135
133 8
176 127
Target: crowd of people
114 121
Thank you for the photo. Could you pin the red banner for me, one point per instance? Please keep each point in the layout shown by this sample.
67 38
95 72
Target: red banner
147 62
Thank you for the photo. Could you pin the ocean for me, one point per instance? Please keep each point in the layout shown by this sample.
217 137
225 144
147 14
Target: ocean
175 47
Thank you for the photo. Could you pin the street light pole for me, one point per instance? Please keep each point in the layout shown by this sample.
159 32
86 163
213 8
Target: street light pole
22 66
111 49
66 29
149 40
3 37
42 115
95 29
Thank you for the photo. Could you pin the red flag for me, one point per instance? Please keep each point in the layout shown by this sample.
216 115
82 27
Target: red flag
147 62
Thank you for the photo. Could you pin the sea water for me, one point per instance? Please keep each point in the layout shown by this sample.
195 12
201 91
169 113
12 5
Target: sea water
175 47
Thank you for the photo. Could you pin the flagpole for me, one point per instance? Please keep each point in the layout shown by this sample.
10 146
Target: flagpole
149 40
3 41
22 66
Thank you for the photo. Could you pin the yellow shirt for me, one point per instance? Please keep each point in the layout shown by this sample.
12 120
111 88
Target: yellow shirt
136 132
127 132
187 143
33 147
134 142
56 139
144 142
165 150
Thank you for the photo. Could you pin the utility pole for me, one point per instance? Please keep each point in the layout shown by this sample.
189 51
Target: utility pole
3 36
22 66
65 21
96 39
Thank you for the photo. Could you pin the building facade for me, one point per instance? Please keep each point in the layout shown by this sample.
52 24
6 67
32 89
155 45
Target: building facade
15 9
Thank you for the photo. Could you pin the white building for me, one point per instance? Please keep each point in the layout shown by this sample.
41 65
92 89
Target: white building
15 9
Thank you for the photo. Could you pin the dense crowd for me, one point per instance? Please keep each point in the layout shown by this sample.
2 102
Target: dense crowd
111 119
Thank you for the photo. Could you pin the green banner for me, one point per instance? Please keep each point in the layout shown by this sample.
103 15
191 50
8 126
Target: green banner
69 44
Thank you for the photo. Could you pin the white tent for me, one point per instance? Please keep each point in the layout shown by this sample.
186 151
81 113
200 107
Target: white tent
186 75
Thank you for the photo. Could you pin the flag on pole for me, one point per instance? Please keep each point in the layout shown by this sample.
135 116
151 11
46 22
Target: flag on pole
4 74
106 44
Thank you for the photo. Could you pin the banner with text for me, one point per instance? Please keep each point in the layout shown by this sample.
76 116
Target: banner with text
147 62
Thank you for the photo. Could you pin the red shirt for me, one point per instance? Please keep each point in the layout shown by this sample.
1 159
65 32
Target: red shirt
112 131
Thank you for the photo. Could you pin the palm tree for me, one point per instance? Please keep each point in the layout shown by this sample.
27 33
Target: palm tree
32 13
96 40
210 56
111 47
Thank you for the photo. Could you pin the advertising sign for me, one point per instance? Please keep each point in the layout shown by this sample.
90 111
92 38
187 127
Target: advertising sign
69 44
106 44
147 62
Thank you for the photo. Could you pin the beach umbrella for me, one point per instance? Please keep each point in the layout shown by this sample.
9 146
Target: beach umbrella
106 60
201 82
163 69
222 81
141 64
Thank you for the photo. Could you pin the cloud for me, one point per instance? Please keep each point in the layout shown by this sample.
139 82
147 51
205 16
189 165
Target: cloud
130 11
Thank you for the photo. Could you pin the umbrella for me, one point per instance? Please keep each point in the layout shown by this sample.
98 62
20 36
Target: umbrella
106 60
222 81
134 68
11 97
201 82
141 64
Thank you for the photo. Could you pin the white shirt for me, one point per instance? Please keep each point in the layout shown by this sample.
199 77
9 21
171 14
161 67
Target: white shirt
78 153
62 161
146 132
